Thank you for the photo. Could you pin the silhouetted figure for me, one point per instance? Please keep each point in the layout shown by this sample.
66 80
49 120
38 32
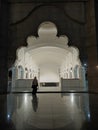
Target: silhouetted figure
35 103
34 85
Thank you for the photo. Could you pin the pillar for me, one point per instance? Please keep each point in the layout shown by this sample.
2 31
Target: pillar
92 48
3 45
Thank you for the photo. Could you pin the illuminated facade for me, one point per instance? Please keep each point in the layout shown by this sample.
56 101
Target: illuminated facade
48 57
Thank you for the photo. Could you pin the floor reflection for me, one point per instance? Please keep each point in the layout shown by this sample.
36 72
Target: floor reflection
49 111
34 102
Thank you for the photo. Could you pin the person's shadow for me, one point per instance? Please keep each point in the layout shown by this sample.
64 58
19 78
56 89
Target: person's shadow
34 102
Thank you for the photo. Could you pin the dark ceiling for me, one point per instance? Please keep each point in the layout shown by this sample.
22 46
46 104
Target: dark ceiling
45 1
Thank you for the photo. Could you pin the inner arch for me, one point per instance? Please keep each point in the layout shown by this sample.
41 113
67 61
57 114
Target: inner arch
49 60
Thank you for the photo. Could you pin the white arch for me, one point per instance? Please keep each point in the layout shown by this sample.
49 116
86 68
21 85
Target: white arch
50 54
20 72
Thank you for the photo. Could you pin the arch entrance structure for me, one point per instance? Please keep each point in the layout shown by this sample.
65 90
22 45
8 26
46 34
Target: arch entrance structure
56 65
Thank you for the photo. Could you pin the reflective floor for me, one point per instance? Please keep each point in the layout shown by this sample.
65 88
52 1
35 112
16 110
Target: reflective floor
49 111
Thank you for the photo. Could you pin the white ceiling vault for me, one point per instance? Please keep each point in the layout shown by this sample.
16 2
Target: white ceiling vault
48 52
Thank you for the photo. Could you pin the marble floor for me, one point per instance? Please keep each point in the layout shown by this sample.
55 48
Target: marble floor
49 111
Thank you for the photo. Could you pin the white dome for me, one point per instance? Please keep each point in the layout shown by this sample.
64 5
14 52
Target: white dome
47 28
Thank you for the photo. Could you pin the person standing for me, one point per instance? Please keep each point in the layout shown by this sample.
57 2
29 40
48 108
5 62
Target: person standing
34 85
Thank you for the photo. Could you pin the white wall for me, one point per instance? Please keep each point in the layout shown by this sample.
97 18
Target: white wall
49 73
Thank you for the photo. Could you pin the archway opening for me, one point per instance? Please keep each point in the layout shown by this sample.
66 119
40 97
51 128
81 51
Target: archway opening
50 59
